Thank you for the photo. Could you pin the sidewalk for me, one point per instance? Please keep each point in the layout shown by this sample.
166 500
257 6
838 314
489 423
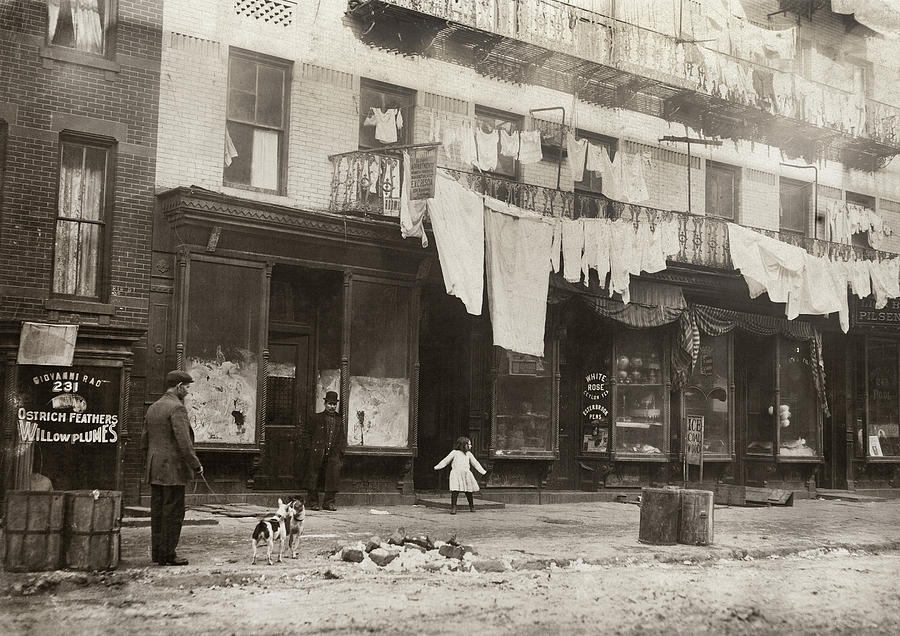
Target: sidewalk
529 536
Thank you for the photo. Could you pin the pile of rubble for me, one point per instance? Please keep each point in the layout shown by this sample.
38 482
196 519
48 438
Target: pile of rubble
405 552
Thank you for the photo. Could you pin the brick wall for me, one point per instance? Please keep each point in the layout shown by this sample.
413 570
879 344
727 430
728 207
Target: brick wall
41 96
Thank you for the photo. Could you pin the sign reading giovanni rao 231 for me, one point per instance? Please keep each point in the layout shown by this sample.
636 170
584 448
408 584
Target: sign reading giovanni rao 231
75 405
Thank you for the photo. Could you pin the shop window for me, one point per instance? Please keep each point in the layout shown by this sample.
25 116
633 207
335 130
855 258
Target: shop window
385 115
83 207
82 25
759 364
489 120
795 204
641 402
798 407
524 421
255 133
380 349
722 190
707 394
881 437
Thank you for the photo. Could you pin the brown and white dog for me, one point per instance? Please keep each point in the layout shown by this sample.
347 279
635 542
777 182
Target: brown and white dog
270 530
293 525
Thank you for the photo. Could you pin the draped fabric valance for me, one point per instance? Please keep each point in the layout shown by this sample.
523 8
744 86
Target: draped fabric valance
715 321
652 305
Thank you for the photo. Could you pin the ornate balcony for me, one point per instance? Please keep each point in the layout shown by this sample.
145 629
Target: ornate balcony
613 63
366 182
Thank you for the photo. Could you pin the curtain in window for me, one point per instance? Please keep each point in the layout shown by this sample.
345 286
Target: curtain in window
264 171
52 18
88 25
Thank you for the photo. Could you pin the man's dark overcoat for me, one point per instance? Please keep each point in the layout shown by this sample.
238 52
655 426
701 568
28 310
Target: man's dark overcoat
325 453
171 460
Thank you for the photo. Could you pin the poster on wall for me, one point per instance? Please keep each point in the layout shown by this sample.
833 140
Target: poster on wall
71 416
221 402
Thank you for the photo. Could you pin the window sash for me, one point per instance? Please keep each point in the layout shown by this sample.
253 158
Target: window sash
721 191
384 96
795 207
81 220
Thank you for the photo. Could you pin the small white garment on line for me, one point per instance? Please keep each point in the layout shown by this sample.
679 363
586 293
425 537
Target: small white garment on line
517 258
572 248
509 143
576 151
457 220
487 149
412 213
231 152
386 122
530 146
556 246
885 280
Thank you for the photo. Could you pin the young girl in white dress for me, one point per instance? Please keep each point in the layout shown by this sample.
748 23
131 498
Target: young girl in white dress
461 477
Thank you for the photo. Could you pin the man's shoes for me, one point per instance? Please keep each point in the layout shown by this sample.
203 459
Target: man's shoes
330 507
313 506
175 561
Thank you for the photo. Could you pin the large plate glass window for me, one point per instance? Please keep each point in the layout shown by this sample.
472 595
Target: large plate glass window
798 407
881 435
524 419
380 361
708 394
255 133
641 398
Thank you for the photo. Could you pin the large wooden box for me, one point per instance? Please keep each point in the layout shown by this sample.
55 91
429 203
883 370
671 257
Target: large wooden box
34 530
660 510
93 529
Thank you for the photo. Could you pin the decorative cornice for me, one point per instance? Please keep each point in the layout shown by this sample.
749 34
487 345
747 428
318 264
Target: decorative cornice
184 203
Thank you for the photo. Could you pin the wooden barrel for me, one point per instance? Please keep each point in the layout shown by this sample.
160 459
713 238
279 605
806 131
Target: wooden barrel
34 530
660 508
696 527
93 522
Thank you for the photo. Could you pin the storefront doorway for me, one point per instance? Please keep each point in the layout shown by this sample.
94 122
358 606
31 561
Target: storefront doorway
287 411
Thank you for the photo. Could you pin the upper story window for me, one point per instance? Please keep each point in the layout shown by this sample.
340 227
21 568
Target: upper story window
255 134
83 25
592 181
489 121
861 239
385 114
722 189
83 209
795 205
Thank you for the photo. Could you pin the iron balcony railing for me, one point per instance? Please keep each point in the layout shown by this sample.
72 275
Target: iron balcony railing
368 183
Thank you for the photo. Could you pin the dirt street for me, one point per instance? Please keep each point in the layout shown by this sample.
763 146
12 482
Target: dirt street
815 592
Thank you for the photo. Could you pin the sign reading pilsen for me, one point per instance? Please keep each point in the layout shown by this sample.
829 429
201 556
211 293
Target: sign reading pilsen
867 316
69 405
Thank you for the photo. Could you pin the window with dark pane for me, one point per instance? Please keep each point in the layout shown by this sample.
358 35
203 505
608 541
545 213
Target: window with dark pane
707 393
81 219
257 121
721 190
795 197
489 120
385 114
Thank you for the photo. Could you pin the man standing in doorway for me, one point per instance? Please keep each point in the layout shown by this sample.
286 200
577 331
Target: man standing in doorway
327 442
170 463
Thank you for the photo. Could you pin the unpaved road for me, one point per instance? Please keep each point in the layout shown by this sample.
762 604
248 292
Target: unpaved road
820 593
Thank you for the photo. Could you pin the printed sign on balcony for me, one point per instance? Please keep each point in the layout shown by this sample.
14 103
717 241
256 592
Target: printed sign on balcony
423 171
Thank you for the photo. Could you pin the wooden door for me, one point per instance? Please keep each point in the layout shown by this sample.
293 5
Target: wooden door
287 411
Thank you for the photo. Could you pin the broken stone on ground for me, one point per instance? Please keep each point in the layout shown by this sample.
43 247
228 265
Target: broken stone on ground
404 552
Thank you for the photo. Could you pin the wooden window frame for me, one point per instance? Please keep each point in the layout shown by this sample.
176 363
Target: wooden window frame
782 226
518 122
286 68
714 167
592 183
106 221
66 53
407 98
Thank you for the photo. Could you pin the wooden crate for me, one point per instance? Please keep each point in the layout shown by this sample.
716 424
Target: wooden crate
93 523
34 530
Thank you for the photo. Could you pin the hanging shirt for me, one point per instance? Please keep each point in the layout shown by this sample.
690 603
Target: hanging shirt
572 248
509 143
517 259
860 282
530 146
386 122
487 149
556 246
576 151
885 280
457 219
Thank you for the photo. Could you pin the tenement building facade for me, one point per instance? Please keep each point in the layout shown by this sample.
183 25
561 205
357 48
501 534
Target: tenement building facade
615 244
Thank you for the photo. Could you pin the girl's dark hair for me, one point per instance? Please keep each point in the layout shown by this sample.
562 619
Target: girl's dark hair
461 443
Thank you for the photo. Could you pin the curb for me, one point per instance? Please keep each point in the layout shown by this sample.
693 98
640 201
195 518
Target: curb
144 522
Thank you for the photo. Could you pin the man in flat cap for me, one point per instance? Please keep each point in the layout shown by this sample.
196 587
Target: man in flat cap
170 463
327 442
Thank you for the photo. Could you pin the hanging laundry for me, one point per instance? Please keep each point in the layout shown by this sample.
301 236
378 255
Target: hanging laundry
486 142
598 160
572 248
457 220
767 264
509 143
517 258
589 254
576 152
231 152
860 279
817 294
885 280
412 213
596 249
386 122
634 167
530 146
623 259
556 246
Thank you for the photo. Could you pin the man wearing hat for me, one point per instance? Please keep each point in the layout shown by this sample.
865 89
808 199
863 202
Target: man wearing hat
169 465
327 442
